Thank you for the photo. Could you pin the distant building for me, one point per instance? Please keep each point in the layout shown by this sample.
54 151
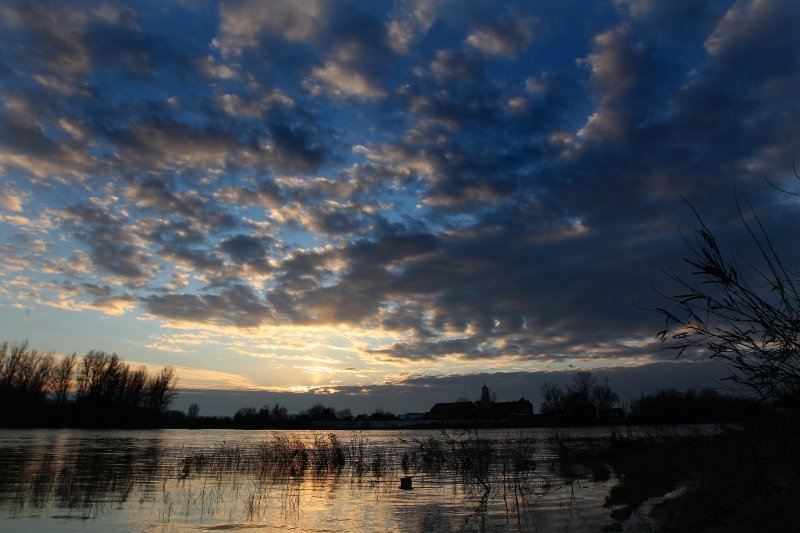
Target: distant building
486 398
485 409
453 410
518 408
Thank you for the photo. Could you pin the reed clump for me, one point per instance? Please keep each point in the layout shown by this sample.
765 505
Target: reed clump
477 462
285 455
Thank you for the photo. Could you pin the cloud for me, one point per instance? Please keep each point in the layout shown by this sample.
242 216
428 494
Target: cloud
357 65
237 105
615 64
340 80
12 201
198 260
455 65
411 20
243 23
506 36
26 145
292 150
210 379
469 190
115 306
70 40
235 305
248 250
113 246
160 195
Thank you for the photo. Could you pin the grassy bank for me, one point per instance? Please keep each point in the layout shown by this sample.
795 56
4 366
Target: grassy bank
739 480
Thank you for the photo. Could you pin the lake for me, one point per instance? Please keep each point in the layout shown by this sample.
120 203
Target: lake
176 480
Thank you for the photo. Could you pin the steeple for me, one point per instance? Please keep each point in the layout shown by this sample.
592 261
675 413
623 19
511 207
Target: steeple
486 399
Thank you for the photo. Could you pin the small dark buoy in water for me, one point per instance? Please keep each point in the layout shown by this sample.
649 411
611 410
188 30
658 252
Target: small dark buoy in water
405 483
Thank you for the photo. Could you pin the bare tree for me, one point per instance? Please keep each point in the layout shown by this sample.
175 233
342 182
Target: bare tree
748 317
603 397
161 389
553 399
62 378
582 384
279 413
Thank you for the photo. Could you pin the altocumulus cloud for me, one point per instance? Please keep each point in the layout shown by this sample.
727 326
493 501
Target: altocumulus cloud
471 184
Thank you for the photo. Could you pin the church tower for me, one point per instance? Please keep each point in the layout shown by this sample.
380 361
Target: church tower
486 399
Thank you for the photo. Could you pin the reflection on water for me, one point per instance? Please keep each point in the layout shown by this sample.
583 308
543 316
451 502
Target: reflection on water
341 480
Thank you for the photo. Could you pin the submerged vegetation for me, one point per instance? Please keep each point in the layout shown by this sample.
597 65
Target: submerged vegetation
477 462
94 390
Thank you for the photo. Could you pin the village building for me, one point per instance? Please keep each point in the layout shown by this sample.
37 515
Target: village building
484 409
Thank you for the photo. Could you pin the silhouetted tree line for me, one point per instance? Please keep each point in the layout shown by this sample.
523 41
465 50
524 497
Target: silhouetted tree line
585 399
580 401
94 390
268 417
249 417
670 406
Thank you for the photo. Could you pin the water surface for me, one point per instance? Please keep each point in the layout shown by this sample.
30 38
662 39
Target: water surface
175 480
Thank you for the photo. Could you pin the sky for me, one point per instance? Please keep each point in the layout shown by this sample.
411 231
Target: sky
383 204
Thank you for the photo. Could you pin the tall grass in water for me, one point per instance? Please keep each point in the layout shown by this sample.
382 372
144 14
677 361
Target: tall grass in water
464 457
506 465
284 456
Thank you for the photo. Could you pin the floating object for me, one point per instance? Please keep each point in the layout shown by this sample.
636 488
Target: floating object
405 483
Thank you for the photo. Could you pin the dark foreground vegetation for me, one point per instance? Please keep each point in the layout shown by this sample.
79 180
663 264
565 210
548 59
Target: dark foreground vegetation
741 479
745 313
672 407
94 390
